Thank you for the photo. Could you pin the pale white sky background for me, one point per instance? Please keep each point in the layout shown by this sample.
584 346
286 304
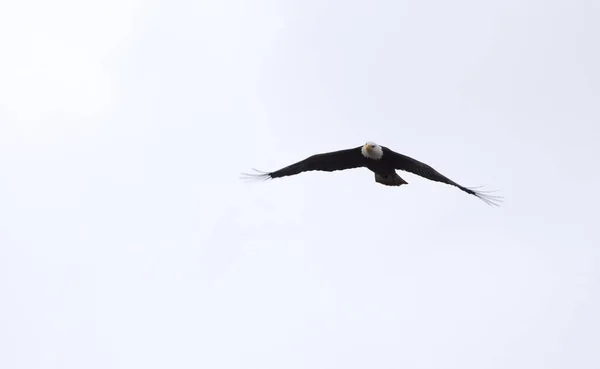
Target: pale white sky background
128 241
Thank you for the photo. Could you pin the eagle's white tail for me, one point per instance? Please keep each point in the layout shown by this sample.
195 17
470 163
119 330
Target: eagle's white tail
392 180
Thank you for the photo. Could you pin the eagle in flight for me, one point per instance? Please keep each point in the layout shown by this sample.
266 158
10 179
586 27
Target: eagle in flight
382 161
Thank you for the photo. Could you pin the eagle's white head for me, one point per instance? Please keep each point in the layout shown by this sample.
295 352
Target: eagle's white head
372 151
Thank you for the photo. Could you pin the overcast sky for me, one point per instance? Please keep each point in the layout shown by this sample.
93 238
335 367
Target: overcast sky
127 239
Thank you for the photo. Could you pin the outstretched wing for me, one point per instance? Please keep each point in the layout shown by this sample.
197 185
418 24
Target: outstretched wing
408 164
327 162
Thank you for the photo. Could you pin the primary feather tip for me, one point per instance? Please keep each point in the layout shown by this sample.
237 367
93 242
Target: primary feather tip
258 176
485 196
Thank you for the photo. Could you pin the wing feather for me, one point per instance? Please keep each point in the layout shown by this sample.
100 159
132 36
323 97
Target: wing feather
408 164
327 162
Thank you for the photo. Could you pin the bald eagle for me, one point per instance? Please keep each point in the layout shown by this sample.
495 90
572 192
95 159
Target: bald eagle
382 161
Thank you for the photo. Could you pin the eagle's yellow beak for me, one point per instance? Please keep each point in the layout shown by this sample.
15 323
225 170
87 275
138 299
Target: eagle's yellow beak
368 147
